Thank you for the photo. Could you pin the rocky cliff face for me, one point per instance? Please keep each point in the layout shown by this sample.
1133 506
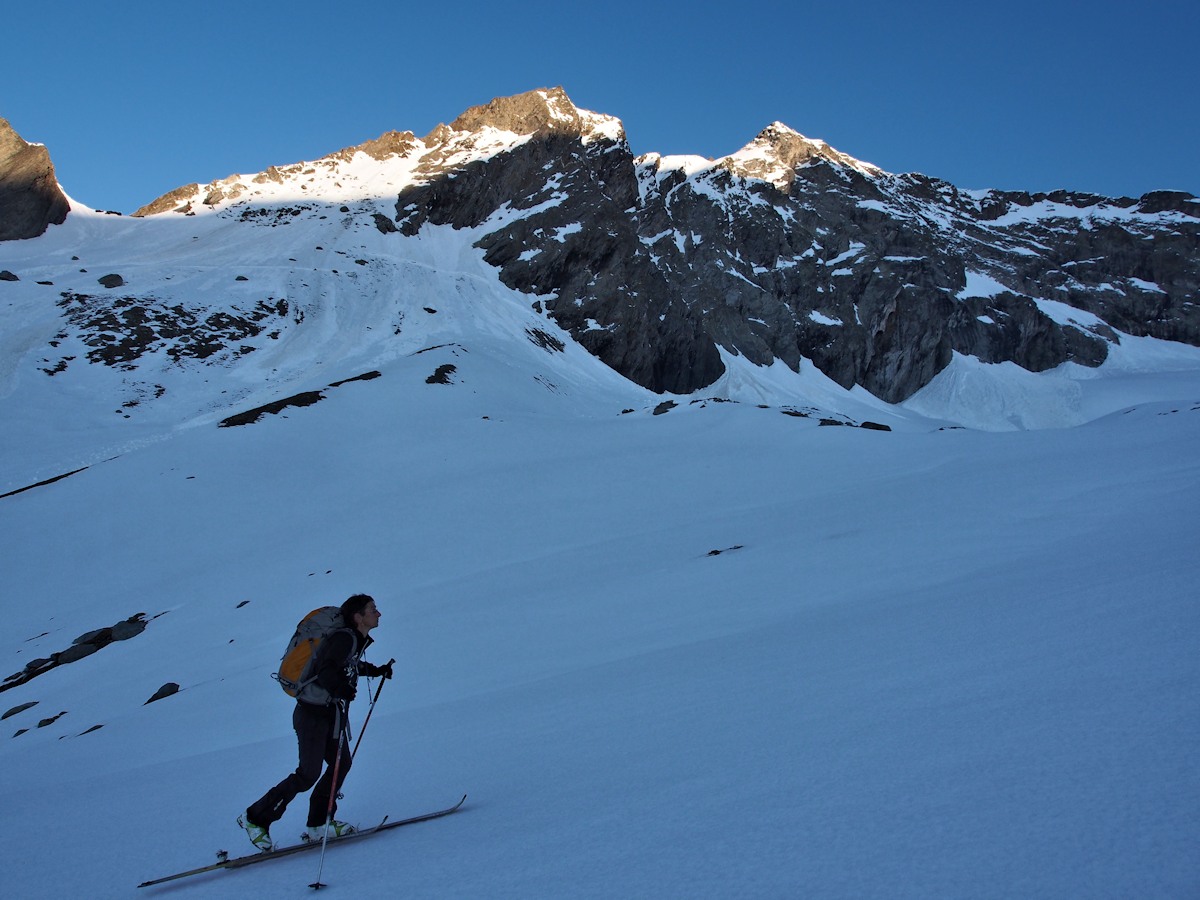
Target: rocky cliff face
30 198
785 250
789 249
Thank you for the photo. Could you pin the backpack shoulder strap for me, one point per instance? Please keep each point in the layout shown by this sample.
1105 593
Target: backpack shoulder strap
309 676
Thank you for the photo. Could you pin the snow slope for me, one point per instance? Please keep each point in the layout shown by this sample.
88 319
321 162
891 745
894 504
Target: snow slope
944 664
926 663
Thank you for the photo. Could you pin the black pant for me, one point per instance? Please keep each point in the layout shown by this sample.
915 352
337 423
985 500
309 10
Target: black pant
318 729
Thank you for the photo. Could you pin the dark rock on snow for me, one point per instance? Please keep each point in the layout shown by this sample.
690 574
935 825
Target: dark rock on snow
83 646
165 691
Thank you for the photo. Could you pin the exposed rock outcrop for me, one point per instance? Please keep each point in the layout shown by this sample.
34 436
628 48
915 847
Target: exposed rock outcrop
83 646
30 198
789 249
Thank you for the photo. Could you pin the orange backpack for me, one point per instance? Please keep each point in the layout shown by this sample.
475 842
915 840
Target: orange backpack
297 670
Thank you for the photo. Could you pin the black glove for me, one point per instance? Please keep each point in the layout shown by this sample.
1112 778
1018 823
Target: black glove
346 692
374 671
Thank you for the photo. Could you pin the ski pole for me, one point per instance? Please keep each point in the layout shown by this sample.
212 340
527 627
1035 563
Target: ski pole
370 710
333 788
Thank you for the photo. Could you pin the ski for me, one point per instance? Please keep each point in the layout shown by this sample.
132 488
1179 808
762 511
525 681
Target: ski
253 858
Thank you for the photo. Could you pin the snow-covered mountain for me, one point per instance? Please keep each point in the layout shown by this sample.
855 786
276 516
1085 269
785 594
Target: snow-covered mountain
683 644
684 275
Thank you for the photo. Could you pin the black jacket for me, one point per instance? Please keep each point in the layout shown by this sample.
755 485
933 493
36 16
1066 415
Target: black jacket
339 662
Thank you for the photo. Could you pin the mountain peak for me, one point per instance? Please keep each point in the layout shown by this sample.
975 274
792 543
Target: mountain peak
534 113
543 111
778 150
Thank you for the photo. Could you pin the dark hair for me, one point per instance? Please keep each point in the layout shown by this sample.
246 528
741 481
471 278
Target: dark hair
355 604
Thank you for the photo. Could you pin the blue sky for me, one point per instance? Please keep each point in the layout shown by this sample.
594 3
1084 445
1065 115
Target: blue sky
137 98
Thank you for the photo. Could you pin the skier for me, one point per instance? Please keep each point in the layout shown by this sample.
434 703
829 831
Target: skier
322 730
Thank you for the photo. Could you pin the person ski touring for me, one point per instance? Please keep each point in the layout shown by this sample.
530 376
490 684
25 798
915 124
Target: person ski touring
322 729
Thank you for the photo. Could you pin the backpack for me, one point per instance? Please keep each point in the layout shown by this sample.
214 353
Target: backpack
297 670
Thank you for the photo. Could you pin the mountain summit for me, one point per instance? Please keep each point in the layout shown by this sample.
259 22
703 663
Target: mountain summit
777 152
538 113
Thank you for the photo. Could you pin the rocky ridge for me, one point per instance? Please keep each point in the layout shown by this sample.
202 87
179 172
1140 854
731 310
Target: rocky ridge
784 250
791 250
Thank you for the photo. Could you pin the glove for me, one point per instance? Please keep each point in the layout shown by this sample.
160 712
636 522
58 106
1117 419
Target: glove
373 671
346 692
